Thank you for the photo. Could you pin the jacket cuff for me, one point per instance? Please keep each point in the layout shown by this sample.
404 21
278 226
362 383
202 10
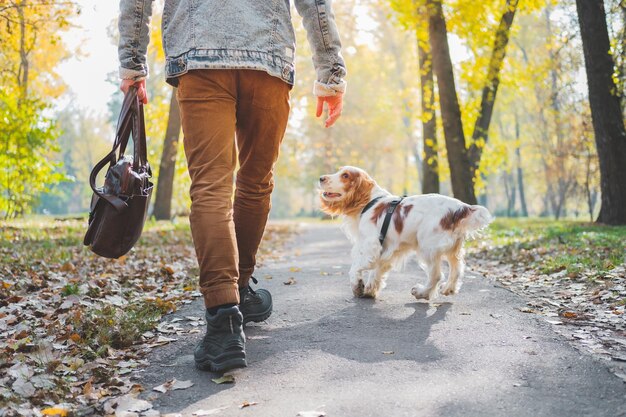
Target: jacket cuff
325 90
131 74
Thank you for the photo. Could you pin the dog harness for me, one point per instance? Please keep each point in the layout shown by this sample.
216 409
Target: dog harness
388 214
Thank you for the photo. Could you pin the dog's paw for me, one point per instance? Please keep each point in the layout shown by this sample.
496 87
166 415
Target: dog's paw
420 292
358 289
370 292
447 289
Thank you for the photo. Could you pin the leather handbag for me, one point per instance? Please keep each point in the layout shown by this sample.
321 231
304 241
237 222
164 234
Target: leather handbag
119 208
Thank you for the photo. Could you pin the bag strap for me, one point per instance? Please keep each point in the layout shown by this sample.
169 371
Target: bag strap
122 136
140 155
126 120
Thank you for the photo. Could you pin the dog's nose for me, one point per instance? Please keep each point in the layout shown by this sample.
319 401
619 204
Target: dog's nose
323 179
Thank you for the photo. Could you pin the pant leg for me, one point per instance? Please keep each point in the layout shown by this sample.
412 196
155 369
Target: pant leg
262 116
207 100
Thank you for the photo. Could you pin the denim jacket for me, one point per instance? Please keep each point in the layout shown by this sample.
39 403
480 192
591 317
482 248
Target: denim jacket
238 34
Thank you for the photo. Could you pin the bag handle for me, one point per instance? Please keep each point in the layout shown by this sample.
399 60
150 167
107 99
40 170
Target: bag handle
126 120
140 155
122 136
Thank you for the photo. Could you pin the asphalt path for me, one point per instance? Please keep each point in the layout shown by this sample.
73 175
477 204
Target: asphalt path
472 354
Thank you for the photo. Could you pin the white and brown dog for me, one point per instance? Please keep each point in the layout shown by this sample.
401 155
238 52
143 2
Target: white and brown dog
433 226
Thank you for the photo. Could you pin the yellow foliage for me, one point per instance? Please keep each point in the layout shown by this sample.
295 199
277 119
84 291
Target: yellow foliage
31 45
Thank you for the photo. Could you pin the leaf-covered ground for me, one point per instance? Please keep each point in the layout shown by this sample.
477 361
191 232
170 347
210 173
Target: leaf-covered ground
571 272
74 325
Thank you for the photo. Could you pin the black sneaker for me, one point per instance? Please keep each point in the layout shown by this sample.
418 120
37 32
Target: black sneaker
254 305
223 346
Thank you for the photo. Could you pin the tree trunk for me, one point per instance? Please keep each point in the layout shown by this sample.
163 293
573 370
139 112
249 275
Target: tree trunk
430 163
167 169
622 65
520 173
460 170
510 192
606 113
487 104
23 72
588 189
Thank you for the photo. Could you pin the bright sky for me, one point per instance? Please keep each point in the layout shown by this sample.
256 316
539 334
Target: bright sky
86 73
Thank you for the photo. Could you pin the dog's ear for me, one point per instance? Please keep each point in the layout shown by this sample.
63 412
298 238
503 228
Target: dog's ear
359 193
332 208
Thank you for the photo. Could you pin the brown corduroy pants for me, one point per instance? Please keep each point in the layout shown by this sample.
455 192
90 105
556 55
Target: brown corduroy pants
230 114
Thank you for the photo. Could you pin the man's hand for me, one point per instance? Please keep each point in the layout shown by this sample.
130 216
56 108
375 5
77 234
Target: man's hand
335 105
141 89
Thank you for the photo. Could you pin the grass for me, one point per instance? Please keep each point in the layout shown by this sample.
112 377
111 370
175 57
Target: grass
115 327
57 240
580 249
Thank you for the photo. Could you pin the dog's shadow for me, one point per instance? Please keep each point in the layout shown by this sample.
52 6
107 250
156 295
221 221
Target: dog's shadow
360 332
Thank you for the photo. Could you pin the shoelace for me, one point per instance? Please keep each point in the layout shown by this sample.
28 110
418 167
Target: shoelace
256 282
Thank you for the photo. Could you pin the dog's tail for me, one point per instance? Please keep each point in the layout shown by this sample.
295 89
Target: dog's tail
466 219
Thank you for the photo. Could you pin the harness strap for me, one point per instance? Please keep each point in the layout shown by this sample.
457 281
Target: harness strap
387 221
370 204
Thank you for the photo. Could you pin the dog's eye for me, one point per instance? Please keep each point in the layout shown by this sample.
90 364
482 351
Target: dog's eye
345 175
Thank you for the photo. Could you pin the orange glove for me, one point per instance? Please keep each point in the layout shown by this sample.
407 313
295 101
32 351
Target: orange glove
141 89
334 104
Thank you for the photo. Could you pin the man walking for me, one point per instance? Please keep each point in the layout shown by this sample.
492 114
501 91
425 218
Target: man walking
233 64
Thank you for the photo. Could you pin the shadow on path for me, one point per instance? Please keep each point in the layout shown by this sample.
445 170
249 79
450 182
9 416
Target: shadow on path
360 332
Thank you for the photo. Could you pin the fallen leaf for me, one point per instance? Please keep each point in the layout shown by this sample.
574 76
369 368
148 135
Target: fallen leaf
68 267
311 414
163 339
54 411
23 388
181 384
88 388
225 379
163 388
248 404
169 269
290 281
569 315
129 403
207 412
21 334
295 269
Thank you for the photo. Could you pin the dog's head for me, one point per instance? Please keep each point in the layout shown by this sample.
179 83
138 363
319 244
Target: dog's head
345 192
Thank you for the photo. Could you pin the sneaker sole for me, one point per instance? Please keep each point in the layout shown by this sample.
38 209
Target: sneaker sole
221 366
258 317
